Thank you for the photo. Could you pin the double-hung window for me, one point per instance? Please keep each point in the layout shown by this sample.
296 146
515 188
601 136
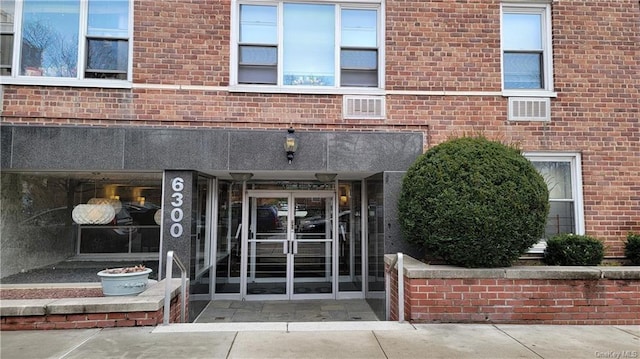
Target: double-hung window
562 174
67 42
526 48
7 10
320 46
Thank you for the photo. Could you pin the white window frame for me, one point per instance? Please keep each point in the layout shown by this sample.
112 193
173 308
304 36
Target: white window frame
234 86
533 7
575 160
79 80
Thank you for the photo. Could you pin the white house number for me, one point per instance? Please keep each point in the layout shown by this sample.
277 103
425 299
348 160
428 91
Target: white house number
177 185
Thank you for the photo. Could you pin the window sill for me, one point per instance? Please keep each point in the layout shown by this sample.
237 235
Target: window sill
70 82
529 93
307 90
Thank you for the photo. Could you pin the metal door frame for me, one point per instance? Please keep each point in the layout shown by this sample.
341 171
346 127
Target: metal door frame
290 195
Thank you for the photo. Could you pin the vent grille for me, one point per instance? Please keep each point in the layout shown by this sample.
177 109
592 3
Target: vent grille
529 109
363 107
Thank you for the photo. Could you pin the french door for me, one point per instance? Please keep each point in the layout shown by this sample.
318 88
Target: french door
288 245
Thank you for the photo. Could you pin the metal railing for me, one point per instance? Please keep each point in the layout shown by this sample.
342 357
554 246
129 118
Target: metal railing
167 287
399 260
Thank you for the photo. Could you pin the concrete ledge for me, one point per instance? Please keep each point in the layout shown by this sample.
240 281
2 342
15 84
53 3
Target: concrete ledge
552 272
105 305
418 270
629 272
151 299
24 307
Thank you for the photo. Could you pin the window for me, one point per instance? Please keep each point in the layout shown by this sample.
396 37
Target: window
562 175
59 42
307 45
7 11
526 48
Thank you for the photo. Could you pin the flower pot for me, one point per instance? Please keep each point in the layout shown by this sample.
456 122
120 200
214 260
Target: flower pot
131 283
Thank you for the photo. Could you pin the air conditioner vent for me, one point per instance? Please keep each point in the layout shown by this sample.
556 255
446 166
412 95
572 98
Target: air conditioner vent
363 107
529 109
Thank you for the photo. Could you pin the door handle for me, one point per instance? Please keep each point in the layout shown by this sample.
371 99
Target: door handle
295 247
285 247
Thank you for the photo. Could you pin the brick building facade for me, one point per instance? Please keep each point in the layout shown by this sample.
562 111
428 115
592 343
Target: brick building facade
558 77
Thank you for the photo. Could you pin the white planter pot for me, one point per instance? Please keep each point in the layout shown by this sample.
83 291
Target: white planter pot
114 284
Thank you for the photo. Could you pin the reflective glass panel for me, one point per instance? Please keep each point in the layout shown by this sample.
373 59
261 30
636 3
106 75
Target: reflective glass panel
258 55
309 44
50 38
6 36
258 24
561 219
523 71
108 18
359 28
359 59
6 53
228 245
522 31
104 54
557 175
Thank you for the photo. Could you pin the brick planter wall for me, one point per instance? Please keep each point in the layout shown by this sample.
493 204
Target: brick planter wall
525 295
145 309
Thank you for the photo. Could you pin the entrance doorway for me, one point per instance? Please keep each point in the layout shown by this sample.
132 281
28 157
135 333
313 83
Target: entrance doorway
289 245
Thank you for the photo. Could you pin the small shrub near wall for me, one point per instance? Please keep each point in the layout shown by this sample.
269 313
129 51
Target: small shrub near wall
573 250
632 249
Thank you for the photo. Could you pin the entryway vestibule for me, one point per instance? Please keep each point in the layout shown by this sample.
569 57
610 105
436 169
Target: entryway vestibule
303 241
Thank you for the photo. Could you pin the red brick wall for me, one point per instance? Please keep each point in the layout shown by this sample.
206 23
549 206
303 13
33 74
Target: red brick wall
524 301
92 320
430 46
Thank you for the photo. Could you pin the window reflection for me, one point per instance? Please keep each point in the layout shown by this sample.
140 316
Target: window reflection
557 175
50 38
309 44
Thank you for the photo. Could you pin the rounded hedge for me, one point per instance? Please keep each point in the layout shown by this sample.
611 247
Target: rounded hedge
573 250
632 249
473 202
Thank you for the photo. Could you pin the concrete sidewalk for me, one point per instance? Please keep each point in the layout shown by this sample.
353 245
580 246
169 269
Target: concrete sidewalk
327 340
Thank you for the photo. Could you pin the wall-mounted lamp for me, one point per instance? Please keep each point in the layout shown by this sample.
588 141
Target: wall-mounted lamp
290 143
326 177
241 176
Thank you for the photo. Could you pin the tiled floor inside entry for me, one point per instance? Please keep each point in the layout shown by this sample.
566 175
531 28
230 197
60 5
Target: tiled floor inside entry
287 311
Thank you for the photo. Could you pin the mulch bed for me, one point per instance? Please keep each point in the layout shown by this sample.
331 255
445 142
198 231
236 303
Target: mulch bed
50 293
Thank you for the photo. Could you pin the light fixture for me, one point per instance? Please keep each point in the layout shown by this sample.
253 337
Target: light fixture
113 202
93 214
290 144
344 195
157 217
241 176
97 210
326 177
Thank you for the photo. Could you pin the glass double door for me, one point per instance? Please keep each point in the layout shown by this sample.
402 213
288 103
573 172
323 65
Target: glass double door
289 245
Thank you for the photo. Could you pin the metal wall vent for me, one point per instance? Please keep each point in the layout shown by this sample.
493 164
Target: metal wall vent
529 109
363 107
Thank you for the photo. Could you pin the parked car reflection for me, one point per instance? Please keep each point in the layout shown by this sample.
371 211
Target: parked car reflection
133 230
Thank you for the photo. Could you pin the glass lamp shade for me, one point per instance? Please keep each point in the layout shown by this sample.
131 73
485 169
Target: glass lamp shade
93 214
157 217
116 204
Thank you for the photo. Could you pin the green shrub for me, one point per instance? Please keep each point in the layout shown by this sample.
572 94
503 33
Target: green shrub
573 250
473 202
632 249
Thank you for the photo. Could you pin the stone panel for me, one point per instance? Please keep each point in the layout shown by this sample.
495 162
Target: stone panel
393 240
67 148
375 152
264 150
5 146
176 149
